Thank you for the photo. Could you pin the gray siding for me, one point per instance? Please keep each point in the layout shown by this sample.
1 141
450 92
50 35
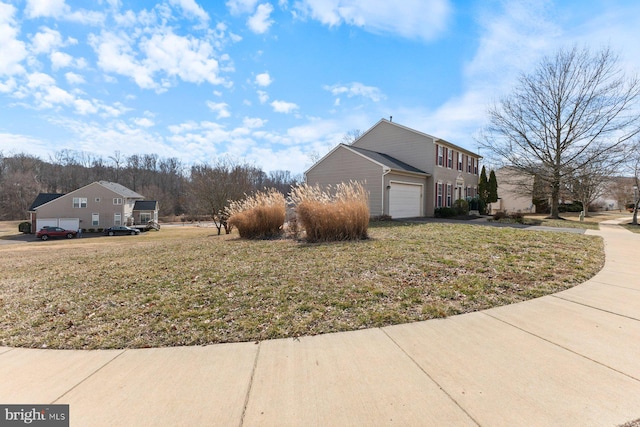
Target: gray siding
343 165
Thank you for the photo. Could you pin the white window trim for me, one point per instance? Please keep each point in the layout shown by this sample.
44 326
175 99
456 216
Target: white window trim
79 202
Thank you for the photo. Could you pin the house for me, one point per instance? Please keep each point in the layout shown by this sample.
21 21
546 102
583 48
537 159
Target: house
98 205
515 191
406 172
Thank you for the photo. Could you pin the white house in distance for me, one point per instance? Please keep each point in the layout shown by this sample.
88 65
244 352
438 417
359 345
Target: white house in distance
407 173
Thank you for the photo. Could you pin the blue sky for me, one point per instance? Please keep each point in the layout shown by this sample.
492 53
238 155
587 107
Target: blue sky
275 83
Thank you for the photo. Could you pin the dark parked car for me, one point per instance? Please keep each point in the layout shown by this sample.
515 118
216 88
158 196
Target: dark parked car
120 229
46 232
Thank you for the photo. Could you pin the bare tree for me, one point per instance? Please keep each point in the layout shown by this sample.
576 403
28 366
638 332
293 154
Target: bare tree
634 166
350 136
213 186
590 181
575 107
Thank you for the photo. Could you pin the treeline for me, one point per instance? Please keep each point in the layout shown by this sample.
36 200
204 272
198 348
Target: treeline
193 191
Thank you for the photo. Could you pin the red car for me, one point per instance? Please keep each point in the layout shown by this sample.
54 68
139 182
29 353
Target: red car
47 232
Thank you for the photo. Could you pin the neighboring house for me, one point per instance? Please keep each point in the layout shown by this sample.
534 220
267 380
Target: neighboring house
97 205
406 172
515 192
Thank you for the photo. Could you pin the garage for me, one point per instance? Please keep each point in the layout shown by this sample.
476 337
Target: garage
66 223
405 200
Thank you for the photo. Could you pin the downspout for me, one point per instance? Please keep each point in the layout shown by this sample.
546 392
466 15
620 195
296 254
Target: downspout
385 172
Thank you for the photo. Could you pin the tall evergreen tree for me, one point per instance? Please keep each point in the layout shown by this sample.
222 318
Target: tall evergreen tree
492 188
483 186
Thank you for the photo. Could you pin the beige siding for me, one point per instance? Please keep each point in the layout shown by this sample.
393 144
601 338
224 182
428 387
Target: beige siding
343 165
512 193
413 148
62 207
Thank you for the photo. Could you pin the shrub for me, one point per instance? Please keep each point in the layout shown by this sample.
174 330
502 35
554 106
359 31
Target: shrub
462 207
445 212
327 216
260 216
500 215
24 227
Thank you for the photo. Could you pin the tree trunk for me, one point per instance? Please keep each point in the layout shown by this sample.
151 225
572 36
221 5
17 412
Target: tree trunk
555 196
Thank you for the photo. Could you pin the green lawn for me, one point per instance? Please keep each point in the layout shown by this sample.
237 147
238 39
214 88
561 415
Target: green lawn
188 286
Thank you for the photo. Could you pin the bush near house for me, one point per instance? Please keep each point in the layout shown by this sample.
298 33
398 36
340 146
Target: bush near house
260 216
445 212
342 214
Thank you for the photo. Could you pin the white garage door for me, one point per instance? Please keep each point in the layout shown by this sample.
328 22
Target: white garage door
46 222
66 223
405 200
69 223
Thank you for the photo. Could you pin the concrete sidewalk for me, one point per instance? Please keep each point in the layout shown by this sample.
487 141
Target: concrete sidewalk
569 359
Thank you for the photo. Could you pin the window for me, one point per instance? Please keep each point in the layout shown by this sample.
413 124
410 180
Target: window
439 195
450 158
145 217
117 201
448 195
95 219
440 155
79 202
117 219
469 164
475 166
460 157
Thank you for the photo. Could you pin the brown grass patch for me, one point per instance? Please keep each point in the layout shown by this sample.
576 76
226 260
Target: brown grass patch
187 286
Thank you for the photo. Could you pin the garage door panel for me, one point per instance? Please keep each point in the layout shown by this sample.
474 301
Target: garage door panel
46 222
405 200
70 223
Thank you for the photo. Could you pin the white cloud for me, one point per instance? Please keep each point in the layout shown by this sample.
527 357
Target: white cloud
13 51
260 22
237 7
221 108
58 9
60 60
253 122
116 55
46 40
46 8
144 122
157 59
191 8
356 89
413 19
263 79
263 97
512 39
74 79
186 57
84 107
284 107
8 86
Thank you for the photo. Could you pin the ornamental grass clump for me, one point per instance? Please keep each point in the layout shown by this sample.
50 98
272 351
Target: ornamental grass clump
260 216
340 213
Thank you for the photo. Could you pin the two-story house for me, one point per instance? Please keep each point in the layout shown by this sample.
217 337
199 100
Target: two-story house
406 172
98 205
